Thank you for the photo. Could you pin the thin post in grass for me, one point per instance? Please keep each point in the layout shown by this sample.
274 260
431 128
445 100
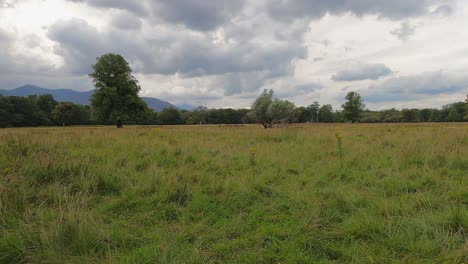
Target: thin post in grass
252 151
339 138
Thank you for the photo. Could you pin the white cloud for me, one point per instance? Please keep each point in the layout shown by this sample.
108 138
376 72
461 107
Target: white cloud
224 53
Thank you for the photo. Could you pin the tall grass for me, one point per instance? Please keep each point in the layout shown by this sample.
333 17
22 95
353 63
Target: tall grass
201 194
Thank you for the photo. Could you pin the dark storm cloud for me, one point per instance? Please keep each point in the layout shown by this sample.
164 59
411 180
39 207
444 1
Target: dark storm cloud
78 43
192 54
238 46
395 9
236 83
411 87
126 21
239 82
197 14
206 15
169 52
362 72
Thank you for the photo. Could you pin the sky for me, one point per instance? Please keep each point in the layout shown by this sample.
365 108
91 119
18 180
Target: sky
223 53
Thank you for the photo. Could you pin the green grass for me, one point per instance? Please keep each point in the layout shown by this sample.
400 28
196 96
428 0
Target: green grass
211 194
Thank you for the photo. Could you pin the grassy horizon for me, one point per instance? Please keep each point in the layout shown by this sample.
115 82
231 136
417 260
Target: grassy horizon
220 194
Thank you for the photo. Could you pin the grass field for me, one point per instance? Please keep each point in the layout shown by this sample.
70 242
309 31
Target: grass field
209 194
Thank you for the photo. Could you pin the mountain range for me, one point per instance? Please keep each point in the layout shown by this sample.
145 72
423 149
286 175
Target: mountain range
67 95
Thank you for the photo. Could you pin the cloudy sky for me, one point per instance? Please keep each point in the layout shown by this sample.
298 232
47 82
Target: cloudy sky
223 53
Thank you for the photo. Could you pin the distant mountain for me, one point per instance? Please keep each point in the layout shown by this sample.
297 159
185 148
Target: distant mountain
186 107
60 95
67 95
156 104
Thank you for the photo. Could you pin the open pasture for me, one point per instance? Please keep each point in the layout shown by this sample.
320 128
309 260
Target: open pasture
219 194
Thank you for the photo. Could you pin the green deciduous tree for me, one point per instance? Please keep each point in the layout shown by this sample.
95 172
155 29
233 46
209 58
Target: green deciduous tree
170 116
453 116
199 115
390 115
353 107
46 103
326 114
410 115
63 113
466 108
66 113
315 111
116 94
281 111
303 114
268 111
454 112
260 108
425 115
436 115
21 111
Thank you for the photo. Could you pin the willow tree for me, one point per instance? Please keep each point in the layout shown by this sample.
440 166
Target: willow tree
268 111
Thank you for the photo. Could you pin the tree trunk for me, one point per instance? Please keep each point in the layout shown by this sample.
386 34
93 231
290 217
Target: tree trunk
267 125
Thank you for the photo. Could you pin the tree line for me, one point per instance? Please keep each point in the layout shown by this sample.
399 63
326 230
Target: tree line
116 100
44 110
269 111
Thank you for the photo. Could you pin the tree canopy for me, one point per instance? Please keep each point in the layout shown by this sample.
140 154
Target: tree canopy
44 110
268 111
466 108
170 116
353 107
67 113
116 95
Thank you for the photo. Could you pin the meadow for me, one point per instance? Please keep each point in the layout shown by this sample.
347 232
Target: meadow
395 193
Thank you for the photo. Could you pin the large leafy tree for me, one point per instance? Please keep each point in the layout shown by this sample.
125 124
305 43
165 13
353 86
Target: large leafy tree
268 111
260 108
326 114
116 95
281 111
353 107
